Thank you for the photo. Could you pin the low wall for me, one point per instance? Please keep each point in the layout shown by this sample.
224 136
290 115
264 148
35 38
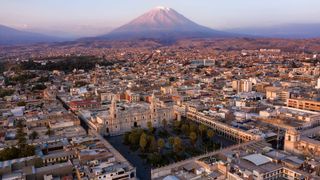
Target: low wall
167 170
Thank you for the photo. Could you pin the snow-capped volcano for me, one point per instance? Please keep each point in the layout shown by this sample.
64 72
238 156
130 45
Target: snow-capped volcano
163 8
163 22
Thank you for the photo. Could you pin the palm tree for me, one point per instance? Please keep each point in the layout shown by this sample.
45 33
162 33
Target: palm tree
193 127
185 129
153 147
164 123
210 134
150 127
193 137
34 135
177 145
202 129
143 141
161 144
171 140
49 131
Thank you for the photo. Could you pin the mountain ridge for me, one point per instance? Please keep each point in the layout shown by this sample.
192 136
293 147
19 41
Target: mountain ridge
11 36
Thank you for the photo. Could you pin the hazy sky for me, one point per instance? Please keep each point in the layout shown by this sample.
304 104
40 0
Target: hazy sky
96 16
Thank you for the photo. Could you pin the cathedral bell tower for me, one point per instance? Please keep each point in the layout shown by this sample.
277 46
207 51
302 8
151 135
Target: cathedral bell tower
113 108
112 124
292 137
153 109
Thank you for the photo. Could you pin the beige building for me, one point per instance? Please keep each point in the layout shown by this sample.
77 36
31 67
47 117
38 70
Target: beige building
123 117
318 84
277 93
243 85
304 104
303 142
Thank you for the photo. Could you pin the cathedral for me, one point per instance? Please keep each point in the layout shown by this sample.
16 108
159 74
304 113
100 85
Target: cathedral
122 117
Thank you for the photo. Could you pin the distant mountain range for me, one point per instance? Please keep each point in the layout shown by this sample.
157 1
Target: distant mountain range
10 36
294 31
167 24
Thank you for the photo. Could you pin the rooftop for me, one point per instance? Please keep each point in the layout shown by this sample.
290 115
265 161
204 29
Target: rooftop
257 159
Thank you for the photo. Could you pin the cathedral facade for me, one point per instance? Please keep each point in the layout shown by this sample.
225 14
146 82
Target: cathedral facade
124 117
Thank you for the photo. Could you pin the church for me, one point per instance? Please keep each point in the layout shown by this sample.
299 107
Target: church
303 142
122 117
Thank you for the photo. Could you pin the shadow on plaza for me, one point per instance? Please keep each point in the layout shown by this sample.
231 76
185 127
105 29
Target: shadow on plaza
142 166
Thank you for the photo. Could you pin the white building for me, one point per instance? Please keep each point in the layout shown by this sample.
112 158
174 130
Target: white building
243 85
247 86
318 84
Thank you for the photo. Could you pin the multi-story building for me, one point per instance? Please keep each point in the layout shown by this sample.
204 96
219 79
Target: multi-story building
318 84
242 85
247 86
277 93
203 62
132 97
287 117
261 167
76 105
236 85
304 104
